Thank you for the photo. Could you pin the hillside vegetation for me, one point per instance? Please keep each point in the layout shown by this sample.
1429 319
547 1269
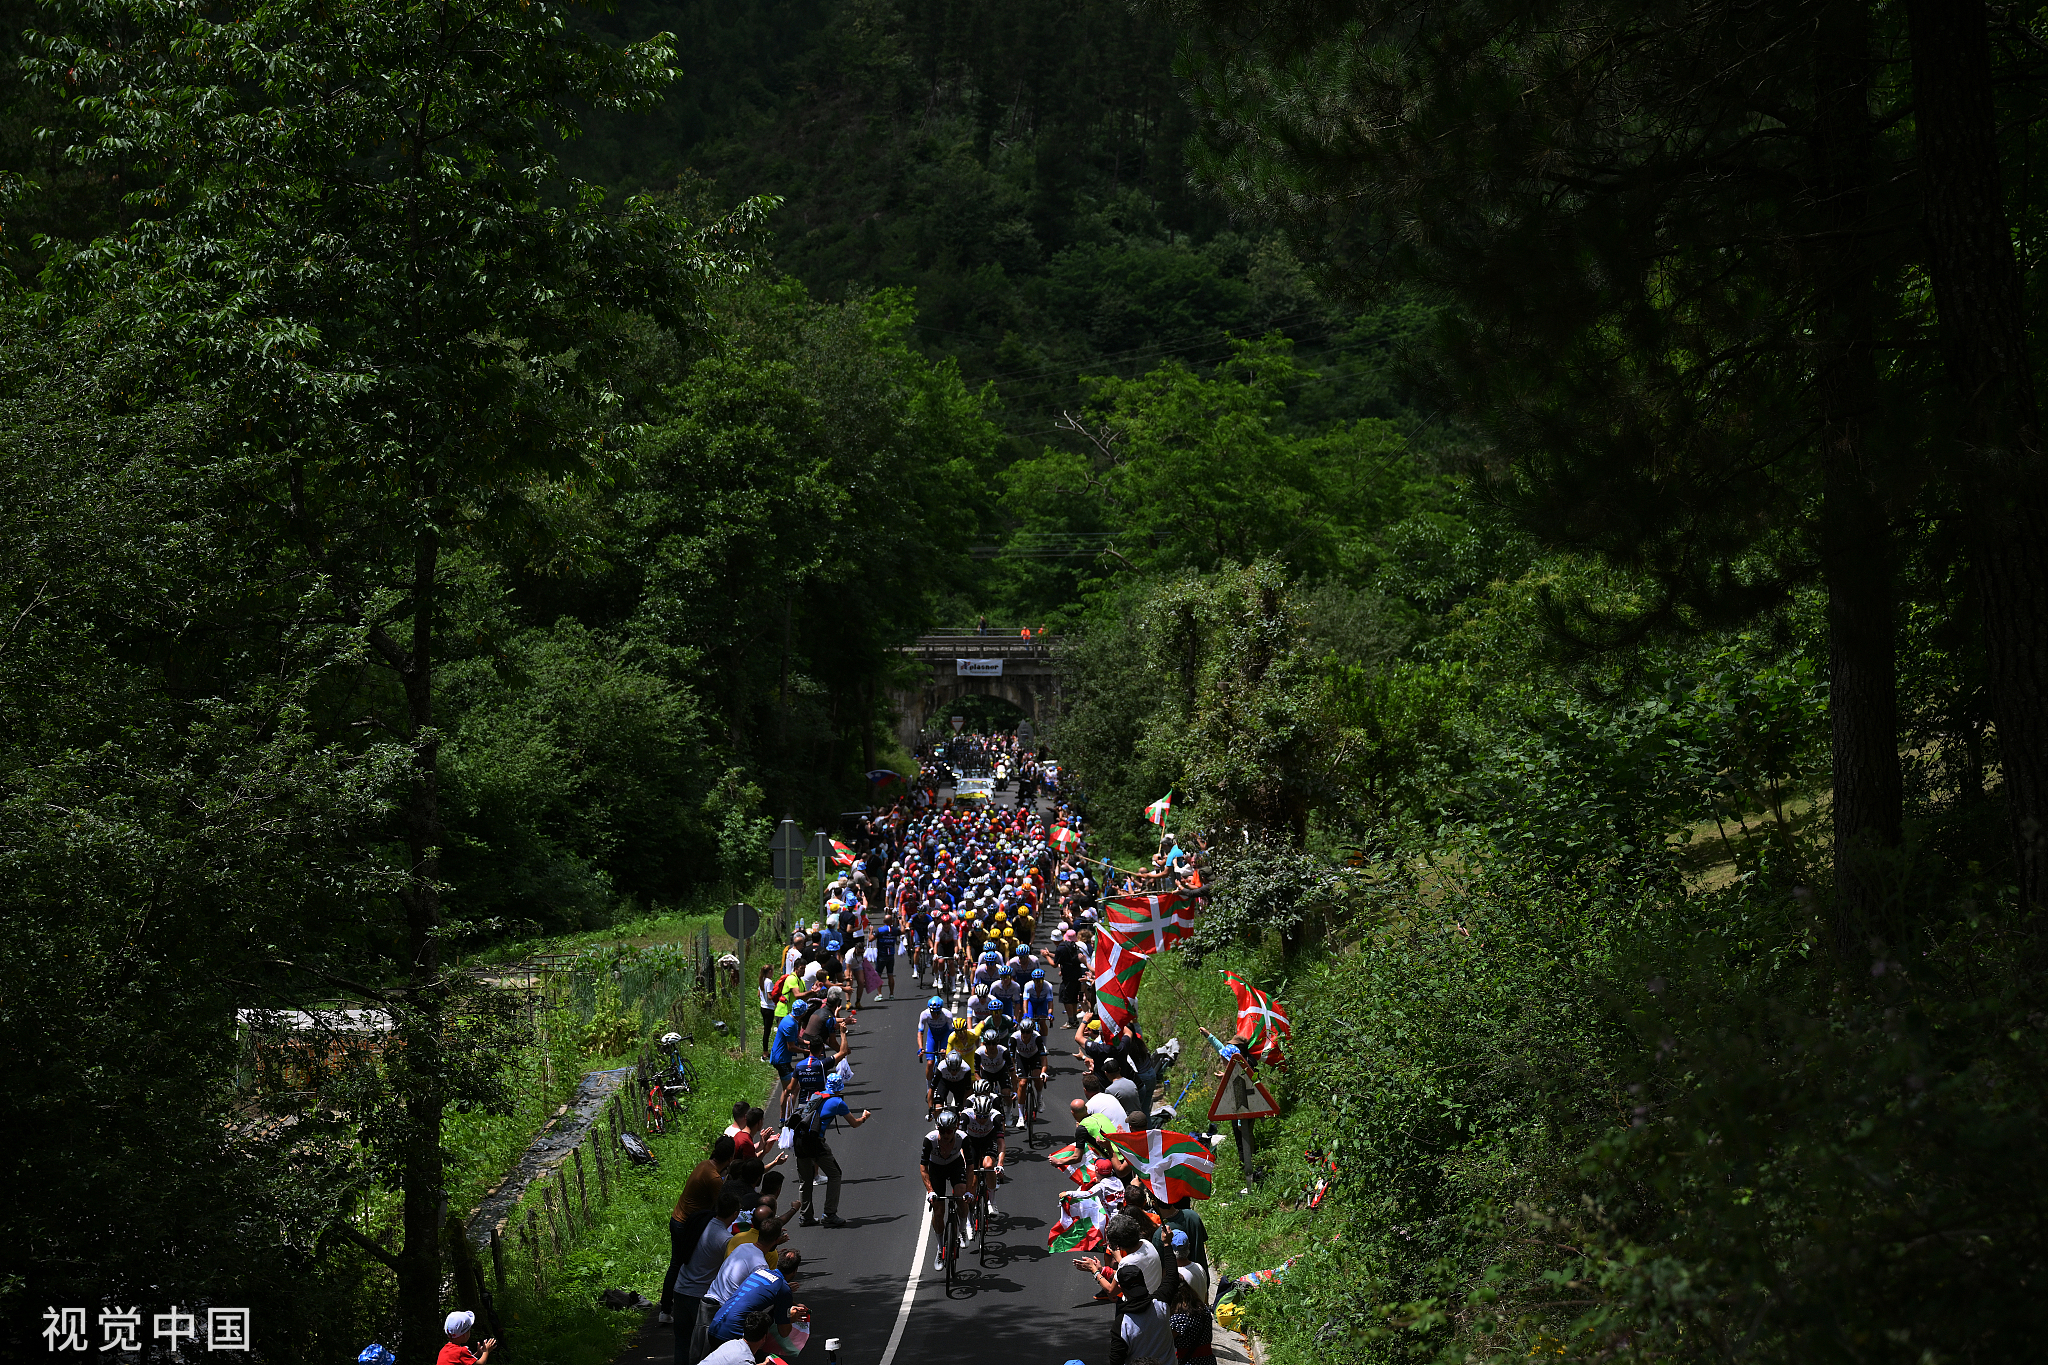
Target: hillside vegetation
1556 494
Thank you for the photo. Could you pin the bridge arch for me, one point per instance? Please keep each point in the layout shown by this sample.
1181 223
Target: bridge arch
1028 680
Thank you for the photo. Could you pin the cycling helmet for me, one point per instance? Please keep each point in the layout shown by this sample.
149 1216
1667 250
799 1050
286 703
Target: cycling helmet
981 990
984 1086
671 1039
948 1121
959 1021
954 1059
937 1002
1004 972
1030 1026
1038 973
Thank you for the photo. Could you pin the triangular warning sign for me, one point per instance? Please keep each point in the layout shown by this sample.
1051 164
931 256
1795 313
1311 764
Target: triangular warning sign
1242 1097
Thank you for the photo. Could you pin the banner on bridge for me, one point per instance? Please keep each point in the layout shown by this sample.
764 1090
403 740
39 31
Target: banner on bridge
978 668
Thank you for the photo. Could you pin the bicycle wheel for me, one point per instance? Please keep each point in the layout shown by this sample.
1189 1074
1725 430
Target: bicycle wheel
952 1238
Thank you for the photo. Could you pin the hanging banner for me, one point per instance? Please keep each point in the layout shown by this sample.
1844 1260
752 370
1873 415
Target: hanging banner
978 668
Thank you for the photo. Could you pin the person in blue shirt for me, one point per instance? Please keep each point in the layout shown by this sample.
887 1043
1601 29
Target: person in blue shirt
771 1291
814 1154
787 1047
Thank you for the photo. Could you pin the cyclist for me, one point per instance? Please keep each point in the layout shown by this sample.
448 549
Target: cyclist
986 968
1028 1047
943 1168
931 1035
920 943
981 1004
952 1079
1008 990
1037 999
945 944
996 1063
965 1037
982 1123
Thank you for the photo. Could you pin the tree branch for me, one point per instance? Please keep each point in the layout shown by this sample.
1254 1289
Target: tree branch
377 1253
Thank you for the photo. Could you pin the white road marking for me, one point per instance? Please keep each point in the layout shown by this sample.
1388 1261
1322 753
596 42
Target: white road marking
924 1236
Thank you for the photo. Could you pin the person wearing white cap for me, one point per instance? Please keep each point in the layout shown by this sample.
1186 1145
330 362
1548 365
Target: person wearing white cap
455 1351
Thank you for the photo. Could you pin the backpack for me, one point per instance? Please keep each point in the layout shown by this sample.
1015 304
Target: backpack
808 1123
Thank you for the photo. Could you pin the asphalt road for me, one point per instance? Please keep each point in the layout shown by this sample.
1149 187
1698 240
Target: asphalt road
1012 1300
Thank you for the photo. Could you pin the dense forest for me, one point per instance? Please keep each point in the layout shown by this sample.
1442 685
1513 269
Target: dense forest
1554 492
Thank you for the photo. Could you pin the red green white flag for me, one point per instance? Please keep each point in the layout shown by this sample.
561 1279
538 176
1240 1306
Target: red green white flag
1118 971
1156 812
1147 924
1080 1223
1174 1165
1260 1024
841 854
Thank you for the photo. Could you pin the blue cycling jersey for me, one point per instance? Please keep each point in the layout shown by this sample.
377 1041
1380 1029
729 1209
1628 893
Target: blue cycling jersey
935 1027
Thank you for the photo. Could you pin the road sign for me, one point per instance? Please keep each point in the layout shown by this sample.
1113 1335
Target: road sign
820 848
741 920
1239 1096
786 852
959 722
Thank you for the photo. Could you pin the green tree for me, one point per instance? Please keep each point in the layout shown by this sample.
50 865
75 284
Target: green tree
1180 470
1672 237
357 250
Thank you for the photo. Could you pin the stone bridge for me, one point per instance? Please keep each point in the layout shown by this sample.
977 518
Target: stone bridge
963 664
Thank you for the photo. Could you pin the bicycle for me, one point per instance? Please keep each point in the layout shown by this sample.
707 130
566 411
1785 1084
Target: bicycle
982 1214
657 1119
950 1235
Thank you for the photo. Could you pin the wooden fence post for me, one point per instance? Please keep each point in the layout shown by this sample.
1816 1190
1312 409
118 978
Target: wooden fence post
532 1236
498 1256
582 1195
562 1183
547 1199
604 1190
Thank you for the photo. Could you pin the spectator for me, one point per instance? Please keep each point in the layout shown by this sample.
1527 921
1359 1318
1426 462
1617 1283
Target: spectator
757 1339
739 1120
1143 1332
759 1143
1185 1219
1194 1331
767 994
1193 1272
456 1350
814 1153
747 1231
1100 1100
764 1290
742 1259
743 1178
693 1208
694 1279
1125 1233
787 1047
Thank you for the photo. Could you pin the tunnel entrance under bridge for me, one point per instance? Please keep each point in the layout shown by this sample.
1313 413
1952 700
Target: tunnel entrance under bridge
998 679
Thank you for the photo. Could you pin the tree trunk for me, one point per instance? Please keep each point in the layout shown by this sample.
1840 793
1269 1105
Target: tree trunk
419 1038
867 725
1996 464
1855 529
